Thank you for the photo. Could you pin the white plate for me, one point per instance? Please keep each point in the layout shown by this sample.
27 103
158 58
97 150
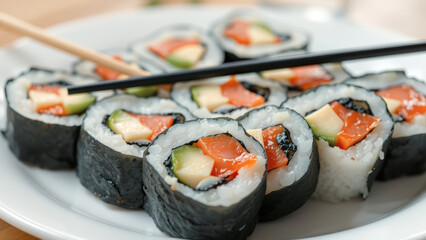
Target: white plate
53 205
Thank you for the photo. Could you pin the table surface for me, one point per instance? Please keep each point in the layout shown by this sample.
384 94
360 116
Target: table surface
399 16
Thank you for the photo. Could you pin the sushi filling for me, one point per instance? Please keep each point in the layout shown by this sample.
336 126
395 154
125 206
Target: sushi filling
180 52
252 33
403 102
302 78
53 99
229 96
342 123
140 129
209 162
109 74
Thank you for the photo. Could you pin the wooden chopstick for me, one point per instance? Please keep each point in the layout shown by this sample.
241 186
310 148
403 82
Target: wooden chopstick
27 29
253 66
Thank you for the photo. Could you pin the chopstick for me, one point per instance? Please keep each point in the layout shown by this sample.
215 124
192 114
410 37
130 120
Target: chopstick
253 66
27 29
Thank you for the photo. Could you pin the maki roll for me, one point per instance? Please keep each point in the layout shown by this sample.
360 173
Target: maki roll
228 96
406 101
353 129
179 47
101 73
293 166
205 179
248 35
43 121
113 138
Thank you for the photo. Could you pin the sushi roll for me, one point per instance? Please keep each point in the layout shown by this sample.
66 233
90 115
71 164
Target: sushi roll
100 73
353 129
113 138
406 101
43 121
299 79
248 35
292 154
228 96
179 47
205 179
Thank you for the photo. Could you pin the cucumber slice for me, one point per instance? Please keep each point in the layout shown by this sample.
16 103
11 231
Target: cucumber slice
129 127
142 91
77 103
186 56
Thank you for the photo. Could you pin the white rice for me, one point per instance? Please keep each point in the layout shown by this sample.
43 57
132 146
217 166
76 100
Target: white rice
17 95
394 78
96 113
344 173
213 55
247 180
298 39
181 93
301 135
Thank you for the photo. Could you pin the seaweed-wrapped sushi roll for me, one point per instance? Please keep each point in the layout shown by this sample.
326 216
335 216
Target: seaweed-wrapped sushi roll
228 96
114 136
101 73
353 129
205 179
249 35
291 150
179 47
406 101
43 121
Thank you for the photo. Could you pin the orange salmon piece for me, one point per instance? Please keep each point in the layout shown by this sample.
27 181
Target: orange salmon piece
157 123
238 30
310 76
166 47
276 156
239 96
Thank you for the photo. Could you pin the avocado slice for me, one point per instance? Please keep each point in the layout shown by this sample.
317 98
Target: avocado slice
325 124
128 126
257 134
186 56
261 34
77 103
282 74
208 96
392 104
142 91
190 165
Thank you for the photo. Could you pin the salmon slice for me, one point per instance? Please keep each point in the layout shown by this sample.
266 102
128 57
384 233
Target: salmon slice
412 102
239 96
106 73
157 123
228 153
310 76
238 30
356 125
276 156
166 47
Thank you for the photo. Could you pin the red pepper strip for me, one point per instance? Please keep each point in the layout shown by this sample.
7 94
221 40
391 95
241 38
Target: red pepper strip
412 102
166 47
157 123
276 156
228 154
239 96
106 73
309 76
238 30
356 125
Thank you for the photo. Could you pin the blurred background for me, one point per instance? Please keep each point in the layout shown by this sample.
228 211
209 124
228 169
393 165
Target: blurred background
406 17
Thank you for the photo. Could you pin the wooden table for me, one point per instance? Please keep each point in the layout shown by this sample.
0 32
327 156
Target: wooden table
392 14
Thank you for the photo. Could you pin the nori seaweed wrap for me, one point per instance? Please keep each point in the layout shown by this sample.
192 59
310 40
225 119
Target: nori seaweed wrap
406 153
227 209
109 166
43 140
293 178
345 171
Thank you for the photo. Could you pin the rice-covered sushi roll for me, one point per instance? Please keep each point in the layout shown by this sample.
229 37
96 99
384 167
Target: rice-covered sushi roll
228 96
205 179
101 73
292 154
114 136
406 101
179 47
353 129
43 121
249 35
